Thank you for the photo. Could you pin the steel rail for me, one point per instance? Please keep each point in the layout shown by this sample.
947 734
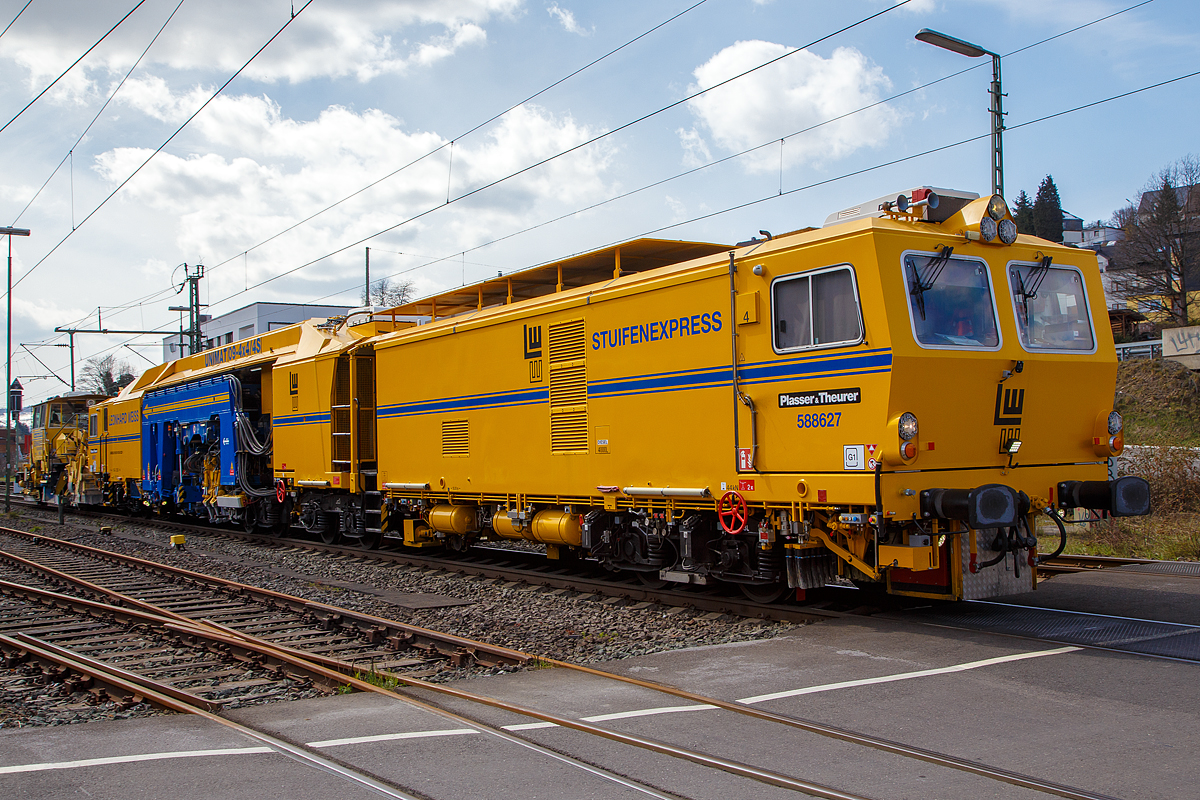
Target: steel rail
373 627
156 693
246 650
897 748
1069 564
541 577
663 748
877 743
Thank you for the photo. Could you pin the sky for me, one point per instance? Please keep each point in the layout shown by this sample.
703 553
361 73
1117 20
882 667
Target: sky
407 126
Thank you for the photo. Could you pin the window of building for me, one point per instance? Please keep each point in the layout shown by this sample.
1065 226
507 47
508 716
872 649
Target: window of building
229 338
246 332
950 301
817 309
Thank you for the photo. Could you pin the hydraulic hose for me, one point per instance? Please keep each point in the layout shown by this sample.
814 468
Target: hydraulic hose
1062 540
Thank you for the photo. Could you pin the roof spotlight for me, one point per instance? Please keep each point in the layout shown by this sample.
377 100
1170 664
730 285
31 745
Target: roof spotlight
997 209
1008 231
987 229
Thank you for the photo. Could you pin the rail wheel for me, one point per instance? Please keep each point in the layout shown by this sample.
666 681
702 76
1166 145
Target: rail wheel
250 518
370 540
763 593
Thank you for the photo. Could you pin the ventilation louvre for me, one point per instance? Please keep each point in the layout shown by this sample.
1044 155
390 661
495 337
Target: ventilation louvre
455 438
568 388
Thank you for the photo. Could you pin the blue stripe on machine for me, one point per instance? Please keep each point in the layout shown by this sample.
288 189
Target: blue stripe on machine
300 419
859 363
133 437
523 397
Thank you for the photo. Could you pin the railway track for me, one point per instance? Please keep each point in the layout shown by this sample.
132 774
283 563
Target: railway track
532 569
371 643
111 649
1066 564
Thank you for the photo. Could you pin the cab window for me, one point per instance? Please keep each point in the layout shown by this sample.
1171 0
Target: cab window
56 415
38 413
950 301
1051 307
817 309
92 425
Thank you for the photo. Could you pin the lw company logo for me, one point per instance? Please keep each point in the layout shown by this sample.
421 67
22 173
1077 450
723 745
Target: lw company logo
1009 404
533 341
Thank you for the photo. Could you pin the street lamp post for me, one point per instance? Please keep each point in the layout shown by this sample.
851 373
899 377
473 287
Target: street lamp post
9 232
975 51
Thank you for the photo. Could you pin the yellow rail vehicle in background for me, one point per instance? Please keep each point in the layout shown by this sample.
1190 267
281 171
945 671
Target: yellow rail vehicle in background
891 399
57 438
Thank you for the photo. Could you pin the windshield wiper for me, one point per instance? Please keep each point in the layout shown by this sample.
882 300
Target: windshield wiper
1036 276
933 271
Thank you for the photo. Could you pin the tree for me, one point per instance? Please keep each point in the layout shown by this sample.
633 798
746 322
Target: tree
105 375
386 294
1047 212
1161 250
1023 213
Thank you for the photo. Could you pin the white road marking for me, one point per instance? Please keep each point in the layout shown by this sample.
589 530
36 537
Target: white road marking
904 676
92 762
387 737
645 712
648 712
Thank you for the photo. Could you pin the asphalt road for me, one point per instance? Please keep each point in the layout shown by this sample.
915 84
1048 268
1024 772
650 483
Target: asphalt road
1121 725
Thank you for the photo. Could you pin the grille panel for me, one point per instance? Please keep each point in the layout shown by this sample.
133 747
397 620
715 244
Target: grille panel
456 438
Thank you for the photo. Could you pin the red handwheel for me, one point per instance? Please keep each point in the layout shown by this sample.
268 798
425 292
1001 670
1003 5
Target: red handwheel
732 512
280 490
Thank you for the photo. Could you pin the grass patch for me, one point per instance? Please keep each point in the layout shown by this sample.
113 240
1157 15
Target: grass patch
1170 537
1160 402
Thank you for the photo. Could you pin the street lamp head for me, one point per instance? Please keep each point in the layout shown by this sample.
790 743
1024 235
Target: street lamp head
950 43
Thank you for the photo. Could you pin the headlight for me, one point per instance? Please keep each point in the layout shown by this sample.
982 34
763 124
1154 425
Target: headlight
1114 424
1008 231
908 426
987 229
997 209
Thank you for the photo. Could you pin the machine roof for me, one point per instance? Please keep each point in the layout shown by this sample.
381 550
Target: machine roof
627 258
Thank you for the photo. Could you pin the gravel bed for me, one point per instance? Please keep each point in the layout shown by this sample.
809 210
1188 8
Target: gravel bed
25 703
556 623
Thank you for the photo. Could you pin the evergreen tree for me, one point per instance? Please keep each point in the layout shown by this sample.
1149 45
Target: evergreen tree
1047 212
1023 213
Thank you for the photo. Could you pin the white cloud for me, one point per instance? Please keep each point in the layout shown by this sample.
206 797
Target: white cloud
355 38
797 92
256 172
695 149
567 20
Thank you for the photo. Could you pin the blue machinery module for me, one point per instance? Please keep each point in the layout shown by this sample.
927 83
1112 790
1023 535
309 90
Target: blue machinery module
198 445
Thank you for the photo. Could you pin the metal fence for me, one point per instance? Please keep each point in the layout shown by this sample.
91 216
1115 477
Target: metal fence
1151 349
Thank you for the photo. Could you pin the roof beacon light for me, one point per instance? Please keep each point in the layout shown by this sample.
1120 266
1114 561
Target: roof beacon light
987 229
1008 231
997 209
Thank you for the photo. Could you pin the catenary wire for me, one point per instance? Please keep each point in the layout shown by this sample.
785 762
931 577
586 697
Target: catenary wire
565 152
736 155
73 63
462 135
819 183
826 181
465 133
131 176
17 17
71 149
1077 28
